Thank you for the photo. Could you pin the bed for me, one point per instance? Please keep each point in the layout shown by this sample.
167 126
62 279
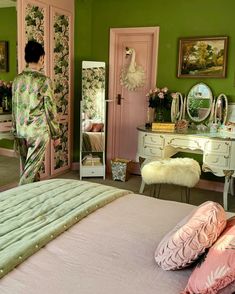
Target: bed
93 142
109 248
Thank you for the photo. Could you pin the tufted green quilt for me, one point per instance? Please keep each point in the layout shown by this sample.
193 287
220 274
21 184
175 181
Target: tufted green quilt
34 214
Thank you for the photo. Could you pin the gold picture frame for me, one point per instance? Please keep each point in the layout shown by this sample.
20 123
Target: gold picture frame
4 66
202 57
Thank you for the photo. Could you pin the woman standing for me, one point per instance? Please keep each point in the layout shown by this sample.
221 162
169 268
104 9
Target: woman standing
33 114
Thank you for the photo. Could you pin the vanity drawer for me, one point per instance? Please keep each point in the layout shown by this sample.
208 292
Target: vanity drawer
218 160
153 139
218 146
185 143
152 151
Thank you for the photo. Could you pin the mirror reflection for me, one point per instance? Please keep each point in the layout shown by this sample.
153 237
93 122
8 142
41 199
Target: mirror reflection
92 119
199 102
9 164
177 106
221 109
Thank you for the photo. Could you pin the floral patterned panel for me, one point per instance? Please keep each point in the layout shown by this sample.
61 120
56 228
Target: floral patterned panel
35 30
93 80
61 62
34 23
61 151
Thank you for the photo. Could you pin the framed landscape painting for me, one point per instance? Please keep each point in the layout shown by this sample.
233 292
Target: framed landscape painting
3 56
202 57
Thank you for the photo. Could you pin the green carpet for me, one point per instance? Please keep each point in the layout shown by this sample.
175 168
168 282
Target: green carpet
9 170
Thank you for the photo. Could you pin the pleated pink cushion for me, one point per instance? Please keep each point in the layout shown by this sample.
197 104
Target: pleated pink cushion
218 269
191 237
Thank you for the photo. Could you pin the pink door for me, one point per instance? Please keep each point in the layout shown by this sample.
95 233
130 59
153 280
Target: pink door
127 107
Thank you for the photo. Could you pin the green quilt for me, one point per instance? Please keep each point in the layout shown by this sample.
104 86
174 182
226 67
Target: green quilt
32 215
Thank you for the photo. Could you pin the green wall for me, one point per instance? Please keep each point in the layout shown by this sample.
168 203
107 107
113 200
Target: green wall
8 32
181 18
82 51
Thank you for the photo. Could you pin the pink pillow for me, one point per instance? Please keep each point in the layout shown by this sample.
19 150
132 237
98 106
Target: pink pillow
86 125
218 268
97 127
191 237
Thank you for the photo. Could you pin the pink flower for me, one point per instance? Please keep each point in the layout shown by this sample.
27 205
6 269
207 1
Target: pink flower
149 93
156 90
161 95
164 90
174 95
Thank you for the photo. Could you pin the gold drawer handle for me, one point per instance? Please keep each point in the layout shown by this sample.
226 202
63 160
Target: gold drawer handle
215 161
151 151
218 147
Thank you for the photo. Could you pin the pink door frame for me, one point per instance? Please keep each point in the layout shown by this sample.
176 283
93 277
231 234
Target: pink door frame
114 33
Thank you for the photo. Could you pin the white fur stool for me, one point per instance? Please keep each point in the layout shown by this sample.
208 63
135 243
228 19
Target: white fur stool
177 171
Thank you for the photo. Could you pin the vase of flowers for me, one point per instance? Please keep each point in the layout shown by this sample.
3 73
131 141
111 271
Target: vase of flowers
5 96
160 100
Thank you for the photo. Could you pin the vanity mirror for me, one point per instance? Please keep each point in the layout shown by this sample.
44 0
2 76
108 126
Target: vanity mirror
221 109
92 120
177 106
199 102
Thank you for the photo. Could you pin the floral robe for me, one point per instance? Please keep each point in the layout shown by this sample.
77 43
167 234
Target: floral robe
34 120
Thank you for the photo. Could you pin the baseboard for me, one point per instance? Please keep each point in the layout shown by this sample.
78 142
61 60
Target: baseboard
210 185
8 186
7 152
202 184
75 166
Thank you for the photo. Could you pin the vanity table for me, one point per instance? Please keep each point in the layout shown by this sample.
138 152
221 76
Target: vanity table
218 150
5 126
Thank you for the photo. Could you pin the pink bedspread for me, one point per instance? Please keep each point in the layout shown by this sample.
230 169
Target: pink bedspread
109 252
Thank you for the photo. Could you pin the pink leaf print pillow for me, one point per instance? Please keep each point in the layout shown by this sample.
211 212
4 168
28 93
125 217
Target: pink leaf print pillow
191 237
218 269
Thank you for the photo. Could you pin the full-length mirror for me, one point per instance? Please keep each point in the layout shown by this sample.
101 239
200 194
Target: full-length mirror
9 164
221 109
92 120
199 102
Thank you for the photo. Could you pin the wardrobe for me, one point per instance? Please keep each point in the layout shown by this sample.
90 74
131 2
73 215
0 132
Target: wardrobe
50 22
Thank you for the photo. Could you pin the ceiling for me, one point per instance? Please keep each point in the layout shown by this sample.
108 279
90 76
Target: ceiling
7 3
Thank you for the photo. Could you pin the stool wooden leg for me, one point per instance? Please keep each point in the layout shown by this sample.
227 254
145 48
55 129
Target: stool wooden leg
181 194
187 191
187 194
159 190
152 190
142 186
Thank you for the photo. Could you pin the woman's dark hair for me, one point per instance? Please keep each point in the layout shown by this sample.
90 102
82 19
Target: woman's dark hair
33 52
